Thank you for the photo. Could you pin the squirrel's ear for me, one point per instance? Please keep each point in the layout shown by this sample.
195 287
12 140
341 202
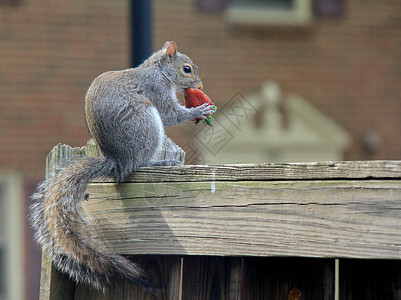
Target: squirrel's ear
170 49
165 45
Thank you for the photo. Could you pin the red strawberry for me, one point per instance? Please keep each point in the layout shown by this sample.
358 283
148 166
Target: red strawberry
195 98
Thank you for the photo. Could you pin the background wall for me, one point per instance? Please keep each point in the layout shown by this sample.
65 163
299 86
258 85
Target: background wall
349 67
50 52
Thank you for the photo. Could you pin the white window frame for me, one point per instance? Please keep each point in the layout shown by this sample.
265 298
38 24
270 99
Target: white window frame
248 13
13 240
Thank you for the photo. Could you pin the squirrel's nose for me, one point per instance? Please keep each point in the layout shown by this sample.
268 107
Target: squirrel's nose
200 86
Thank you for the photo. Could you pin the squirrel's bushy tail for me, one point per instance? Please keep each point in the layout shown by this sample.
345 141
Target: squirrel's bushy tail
56 217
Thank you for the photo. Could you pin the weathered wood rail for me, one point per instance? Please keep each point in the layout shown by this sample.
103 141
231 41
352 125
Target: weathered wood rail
327 230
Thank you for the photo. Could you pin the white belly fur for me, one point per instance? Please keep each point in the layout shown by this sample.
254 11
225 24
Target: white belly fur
161 129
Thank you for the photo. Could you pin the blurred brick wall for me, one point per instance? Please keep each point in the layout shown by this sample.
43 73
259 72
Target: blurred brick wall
349 67
50 51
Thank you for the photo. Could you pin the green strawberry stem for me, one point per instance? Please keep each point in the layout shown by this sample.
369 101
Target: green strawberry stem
209 119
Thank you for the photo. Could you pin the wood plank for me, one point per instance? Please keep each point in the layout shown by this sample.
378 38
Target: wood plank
114 292
271 171
289 278
328 218
53 284
370 279
209 278
164 271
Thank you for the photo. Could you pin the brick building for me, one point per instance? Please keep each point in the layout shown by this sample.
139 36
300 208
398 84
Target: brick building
346 64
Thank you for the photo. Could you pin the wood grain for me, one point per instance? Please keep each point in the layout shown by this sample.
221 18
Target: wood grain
310 218
53 284
271 171
164 271
214 215
209 278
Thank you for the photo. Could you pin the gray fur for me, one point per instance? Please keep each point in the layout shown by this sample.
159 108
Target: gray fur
125 113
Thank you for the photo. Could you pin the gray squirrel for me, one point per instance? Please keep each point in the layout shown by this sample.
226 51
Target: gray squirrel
126 112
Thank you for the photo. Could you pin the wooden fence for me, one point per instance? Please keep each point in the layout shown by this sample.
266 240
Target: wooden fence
326 230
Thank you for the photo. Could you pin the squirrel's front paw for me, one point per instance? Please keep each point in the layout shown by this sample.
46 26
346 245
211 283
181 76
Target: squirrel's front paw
202 111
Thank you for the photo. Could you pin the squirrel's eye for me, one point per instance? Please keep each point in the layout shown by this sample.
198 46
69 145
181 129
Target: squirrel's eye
187 69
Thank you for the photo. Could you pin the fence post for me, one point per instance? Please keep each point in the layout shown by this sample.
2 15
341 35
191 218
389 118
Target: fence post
53 284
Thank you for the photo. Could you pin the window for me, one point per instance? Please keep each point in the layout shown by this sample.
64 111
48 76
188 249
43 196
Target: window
11 237
9 2
328 8
269 12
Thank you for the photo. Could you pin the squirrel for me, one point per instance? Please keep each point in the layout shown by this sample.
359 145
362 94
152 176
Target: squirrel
126 112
